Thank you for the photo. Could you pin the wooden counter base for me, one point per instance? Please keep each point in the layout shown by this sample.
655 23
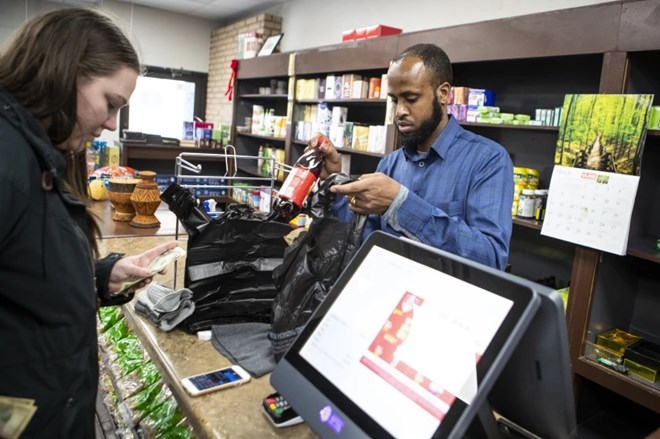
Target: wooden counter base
230 413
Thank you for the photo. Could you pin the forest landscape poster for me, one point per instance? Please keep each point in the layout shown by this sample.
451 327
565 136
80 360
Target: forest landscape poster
598 161
603 132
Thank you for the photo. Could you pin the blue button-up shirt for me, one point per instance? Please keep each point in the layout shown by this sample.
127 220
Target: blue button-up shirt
456 198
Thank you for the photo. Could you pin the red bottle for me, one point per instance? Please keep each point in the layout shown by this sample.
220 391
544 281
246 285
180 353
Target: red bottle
291 196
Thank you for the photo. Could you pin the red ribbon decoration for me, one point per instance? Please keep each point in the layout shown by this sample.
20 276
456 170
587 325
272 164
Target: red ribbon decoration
230 85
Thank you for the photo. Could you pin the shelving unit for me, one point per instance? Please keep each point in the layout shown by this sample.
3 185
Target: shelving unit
533 62
255 74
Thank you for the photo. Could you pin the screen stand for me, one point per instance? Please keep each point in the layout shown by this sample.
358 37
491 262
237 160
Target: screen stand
485 425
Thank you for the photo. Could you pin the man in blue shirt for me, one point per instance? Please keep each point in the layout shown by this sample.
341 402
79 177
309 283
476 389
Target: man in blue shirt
445 187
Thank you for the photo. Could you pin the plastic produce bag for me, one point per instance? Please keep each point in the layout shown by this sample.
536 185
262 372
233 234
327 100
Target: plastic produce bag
127 355
109 316
116 332
181 431
135 381
147 400
159 421
311 266
229 268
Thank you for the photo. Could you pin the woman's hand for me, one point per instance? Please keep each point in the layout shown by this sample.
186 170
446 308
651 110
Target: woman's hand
135 267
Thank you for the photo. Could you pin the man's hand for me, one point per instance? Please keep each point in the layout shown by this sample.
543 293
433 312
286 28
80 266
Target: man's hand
331 158
135 267
371 193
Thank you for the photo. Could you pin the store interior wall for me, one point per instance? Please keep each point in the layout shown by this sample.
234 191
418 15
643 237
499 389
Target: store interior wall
172 40
168 39
305 26
163 38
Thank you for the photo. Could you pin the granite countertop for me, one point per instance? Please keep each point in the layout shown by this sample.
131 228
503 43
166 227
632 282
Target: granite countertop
230 413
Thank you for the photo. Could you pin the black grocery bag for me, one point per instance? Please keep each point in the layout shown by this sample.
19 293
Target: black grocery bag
229 264
311 266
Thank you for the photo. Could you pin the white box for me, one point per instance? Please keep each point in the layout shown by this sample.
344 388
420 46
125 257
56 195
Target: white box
337 135
330 87
339 115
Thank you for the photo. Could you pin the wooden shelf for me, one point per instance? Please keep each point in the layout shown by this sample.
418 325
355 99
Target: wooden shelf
253 171
529 223
643 394
344 101
511 127
345 150
356 152
259 136
273 66
643 247
261 96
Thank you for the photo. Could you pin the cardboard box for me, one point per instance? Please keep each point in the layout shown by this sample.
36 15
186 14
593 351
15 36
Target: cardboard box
348 35
478 98
339 115
377 30
360 89
347 81
380 31
374 88
459 95
348 135
337 135
360 137
330 87
383 86
617 340
647 355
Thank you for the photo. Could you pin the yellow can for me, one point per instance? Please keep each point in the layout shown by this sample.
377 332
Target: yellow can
519 175
532 178
517 190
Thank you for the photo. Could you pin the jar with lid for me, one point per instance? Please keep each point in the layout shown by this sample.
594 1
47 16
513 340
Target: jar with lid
527 204
541 201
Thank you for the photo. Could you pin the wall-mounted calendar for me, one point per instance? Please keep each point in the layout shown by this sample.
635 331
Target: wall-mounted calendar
597 166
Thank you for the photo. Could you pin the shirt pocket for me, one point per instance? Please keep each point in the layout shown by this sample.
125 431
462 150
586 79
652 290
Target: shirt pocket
453 209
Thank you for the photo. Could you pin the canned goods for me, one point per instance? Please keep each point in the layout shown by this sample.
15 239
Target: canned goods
532 178
519 176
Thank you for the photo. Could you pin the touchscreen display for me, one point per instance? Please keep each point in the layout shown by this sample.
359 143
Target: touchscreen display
402 341
213 379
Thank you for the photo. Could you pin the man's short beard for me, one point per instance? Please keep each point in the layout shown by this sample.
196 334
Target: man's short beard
419 136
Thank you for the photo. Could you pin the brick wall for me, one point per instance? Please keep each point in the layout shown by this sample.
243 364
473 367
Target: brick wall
224 48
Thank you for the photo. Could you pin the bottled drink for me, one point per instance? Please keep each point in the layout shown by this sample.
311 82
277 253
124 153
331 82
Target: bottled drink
289 200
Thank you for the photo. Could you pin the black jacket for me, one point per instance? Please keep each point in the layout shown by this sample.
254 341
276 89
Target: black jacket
48 293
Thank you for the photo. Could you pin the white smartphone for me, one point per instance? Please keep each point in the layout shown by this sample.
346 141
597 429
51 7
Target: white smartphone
229 376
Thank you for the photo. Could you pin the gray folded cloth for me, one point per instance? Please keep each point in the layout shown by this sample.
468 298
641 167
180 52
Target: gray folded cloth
163 306
247 345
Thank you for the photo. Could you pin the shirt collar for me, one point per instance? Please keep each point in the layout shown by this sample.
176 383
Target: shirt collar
442 143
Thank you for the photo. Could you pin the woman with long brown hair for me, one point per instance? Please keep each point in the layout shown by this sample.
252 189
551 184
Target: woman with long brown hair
63 79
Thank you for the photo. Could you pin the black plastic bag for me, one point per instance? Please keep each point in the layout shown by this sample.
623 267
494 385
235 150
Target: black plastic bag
229 264
311 266
186 208
229 269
